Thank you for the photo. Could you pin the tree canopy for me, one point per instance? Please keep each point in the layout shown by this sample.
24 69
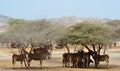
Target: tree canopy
42 31
87 33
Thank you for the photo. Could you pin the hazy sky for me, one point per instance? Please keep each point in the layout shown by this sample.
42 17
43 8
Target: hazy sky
35 9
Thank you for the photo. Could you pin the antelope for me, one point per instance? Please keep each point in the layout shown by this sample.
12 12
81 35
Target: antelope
18 57
67 59
37 56
97 58
42 51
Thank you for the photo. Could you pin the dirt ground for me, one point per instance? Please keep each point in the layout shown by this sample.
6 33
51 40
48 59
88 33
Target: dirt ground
55 63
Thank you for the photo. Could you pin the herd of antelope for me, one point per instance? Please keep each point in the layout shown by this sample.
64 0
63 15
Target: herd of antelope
82 59
38 54
79 59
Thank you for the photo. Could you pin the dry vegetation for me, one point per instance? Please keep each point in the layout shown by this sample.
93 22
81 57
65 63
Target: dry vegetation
55 64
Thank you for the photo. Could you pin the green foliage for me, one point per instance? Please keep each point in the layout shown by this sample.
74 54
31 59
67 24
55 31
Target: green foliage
13 22
87 33
115 29
42 30
36 31
114 23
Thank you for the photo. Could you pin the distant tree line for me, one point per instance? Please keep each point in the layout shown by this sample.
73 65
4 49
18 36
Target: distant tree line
86 34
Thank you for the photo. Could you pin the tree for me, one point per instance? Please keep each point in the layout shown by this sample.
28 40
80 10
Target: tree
89 34
114 25
13 22
34 32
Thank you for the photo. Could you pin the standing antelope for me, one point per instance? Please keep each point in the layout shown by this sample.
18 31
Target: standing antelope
18 57
41 55
97 58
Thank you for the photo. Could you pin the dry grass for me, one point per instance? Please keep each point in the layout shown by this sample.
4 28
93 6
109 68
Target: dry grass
55 64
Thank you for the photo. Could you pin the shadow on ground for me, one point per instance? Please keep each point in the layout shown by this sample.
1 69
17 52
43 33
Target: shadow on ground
57 67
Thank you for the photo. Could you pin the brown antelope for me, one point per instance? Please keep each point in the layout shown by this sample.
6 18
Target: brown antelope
86 58
77 60
18 57
97 58
37 56
71 59
67 59
42 51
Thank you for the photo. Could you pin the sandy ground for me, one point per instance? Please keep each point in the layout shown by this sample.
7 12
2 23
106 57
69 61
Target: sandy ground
55 63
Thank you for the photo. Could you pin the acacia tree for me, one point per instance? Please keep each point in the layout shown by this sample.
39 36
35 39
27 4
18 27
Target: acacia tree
114 25
89 34
34 33
13 22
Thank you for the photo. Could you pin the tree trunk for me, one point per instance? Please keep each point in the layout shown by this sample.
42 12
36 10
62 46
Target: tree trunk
25 60
75 48
86 47
32 48
67 48
115 43
99 48
93 47
51 48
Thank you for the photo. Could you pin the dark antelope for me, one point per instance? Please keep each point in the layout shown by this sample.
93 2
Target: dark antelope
37 56
71 59
42 51
79 59
18 57
97 58
67 59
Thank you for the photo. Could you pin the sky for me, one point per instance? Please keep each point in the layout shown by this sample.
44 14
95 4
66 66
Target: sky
37 9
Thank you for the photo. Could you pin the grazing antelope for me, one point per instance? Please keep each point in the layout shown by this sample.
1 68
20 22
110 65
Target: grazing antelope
18 57
97 58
